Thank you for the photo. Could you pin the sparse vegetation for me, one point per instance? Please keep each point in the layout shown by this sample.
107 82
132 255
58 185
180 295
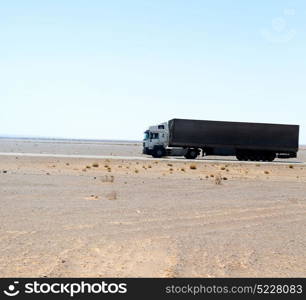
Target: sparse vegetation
193 167
218 180
111 196
291 167
169 165
95 165
108 178
149 166
223 168
183 169
267 172
88 167
136 171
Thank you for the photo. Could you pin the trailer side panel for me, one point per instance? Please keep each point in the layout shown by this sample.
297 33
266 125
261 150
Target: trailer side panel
254 136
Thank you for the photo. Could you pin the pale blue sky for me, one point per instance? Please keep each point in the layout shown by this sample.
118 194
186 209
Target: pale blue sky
108 69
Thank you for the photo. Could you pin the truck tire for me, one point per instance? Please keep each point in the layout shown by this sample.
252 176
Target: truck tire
192 154
158 152
270 156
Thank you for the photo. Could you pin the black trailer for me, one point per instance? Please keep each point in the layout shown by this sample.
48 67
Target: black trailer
247 141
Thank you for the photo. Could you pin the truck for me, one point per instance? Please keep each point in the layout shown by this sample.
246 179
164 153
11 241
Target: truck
246 141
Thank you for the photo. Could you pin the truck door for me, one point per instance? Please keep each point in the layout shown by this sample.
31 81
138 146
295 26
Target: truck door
154 140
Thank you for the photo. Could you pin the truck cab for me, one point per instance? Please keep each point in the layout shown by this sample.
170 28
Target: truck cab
156 140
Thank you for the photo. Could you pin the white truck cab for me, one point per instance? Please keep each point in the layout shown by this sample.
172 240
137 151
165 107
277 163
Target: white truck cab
156 142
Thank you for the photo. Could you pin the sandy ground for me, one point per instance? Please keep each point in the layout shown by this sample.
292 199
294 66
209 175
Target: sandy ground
82 217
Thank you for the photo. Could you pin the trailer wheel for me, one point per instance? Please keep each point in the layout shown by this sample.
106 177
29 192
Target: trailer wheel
192 154
271 156
239 157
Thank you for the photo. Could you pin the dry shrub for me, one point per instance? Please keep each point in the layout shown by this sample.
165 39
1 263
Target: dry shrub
193 167
136 171
218 179
95 165
108 178
291 167
223 168
267 172
109 169
212 175
149 166
92 197
112 196
169 165
88 167
182 169
171 170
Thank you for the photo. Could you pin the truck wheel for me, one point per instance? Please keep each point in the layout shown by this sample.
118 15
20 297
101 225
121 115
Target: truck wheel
239 157
242 156
192 154
271 156
158 152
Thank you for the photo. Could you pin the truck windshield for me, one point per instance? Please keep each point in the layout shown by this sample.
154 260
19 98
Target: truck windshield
146 135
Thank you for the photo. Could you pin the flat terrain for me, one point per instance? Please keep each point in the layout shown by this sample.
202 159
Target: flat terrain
117 217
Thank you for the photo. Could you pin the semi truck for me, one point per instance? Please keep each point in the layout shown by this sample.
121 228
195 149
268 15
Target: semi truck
246 141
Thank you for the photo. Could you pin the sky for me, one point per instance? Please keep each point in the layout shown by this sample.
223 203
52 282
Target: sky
99 69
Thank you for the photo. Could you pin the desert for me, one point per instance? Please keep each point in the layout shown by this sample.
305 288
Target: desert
102 209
